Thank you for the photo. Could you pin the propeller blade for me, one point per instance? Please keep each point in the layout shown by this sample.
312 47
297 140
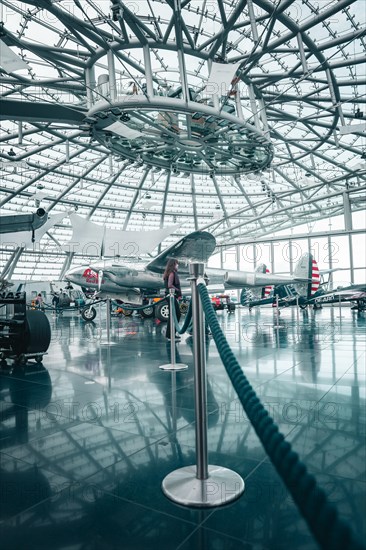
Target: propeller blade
100 279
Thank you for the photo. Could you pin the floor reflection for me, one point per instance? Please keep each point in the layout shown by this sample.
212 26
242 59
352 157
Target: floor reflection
87 437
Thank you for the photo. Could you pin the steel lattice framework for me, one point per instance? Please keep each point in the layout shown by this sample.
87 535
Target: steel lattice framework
283 145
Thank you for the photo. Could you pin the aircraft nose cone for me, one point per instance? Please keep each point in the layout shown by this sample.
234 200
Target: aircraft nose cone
74 274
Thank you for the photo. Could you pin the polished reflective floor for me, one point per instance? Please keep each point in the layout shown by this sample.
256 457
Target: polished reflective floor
88 436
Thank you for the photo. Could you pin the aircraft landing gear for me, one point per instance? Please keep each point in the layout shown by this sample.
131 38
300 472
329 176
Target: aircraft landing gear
147 312
89 313
162 312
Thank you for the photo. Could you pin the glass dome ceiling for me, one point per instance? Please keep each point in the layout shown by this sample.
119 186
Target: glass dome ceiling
240 117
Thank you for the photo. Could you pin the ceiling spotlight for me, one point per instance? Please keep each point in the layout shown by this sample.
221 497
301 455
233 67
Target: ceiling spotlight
358 114
116 10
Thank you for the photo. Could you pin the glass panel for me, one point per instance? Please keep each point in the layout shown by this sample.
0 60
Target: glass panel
360 276
359 250
359 220
319 248
252 255
214 261
229 258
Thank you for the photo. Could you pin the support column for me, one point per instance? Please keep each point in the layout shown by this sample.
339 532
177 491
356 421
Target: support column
67 264
148 72
272 258
13 262
330 256
20 132
238 268
112 75
351 264
347 212
291 257
90 85
253 104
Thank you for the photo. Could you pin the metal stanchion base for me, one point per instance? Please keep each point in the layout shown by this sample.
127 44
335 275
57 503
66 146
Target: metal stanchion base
176 366
221 487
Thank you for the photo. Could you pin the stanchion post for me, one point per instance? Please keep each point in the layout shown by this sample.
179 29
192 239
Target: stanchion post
340 305
108 319
172 365
172 325
200 386
174 403
107 342
201 485
277 325
100 320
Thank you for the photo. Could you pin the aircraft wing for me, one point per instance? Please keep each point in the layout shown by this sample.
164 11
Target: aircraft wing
195 247
239 279
352 292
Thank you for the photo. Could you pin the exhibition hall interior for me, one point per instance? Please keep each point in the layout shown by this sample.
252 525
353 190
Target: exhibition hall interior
182 274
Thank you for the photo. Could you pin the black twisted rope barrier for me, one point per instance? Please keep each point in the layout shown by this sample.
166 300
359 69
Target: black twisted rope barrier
183 328
331 532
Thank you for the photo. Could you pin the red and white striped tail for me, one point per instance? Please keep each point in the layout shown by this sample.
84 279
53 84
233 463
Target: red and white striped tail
315 277
267 289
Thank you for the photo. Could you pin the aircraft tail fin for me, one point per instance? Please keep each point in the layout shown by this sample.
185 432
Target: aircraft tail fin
307 268
264 291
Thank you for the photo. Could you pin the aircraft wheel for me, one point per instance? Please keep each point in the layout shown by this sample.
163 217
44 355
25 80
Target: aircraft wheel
147 312
89 313
303 306
162 312
127 312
